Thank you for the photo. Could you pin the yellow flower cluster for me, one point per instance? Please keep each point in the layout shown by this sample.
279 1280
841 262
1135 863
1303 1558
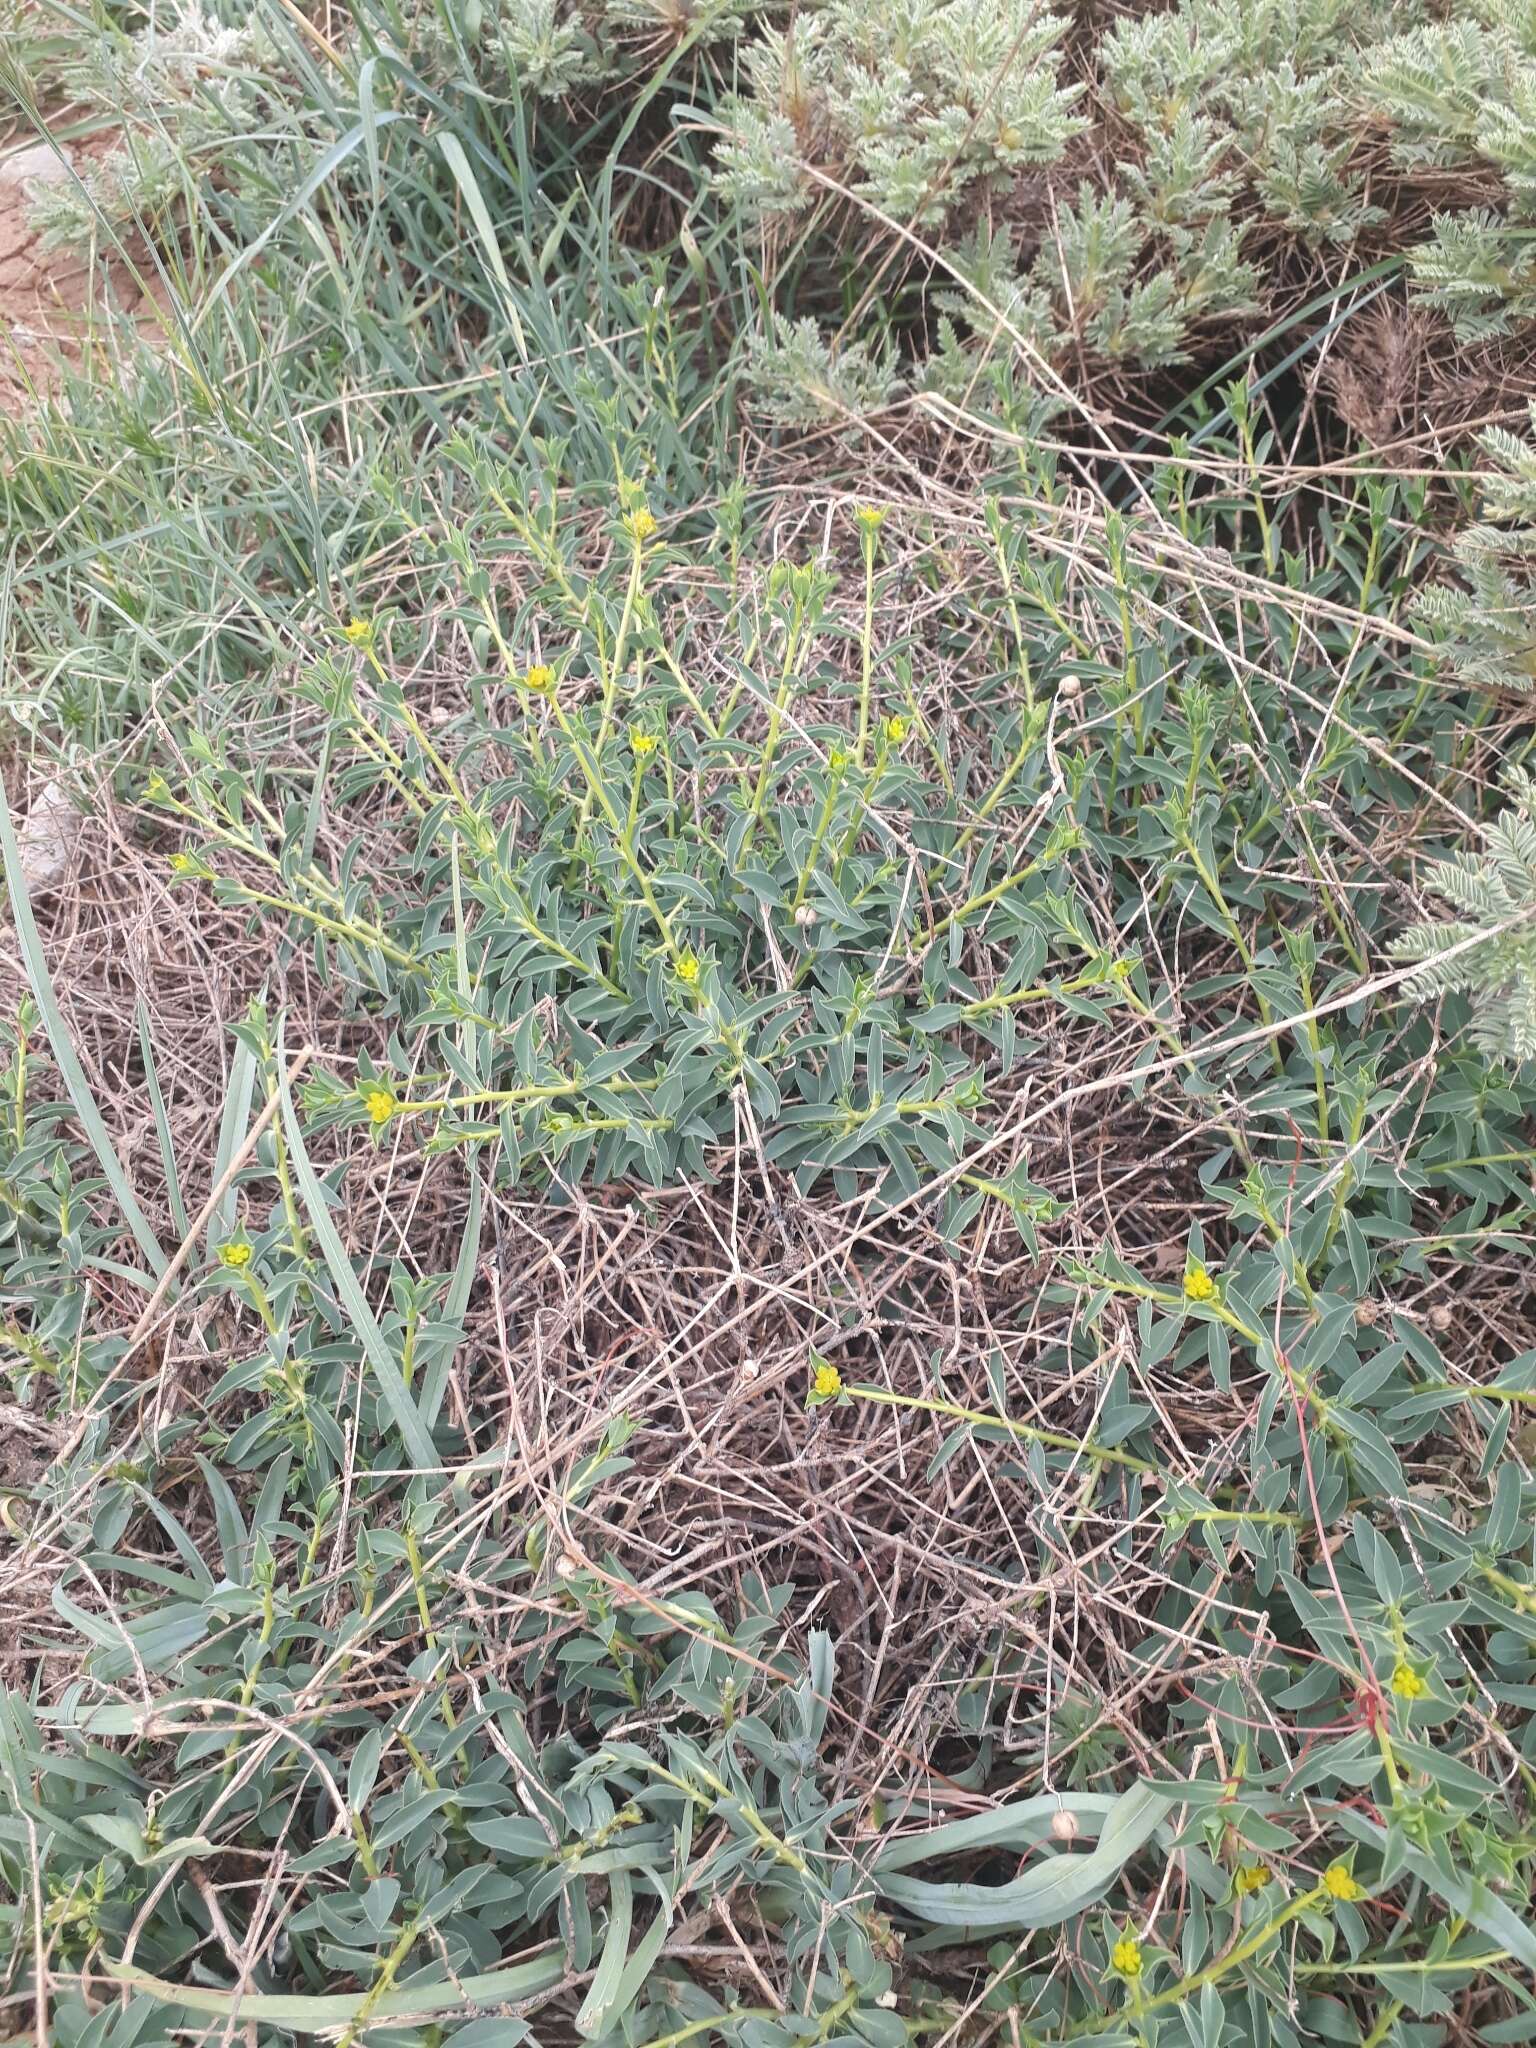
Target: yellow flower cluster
640 524
358 632
1198 1284
540 679
828 1382
642 745
1409 1684
688 968
1250 1879
380 1105
895 728
1125 1956
235 1255
1338 1884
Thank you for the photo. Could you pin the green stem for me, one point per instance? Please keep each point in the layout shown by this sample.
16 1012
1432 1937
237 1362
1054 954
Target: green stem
1049 1439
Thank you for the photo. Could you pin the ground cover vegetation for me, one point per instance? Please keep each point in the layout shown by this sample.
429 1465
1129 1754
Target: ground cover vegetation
766 1082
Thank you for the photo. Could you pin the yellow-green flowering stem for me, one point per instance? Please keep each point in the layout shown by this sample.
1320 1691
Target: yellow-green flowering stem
485 1098
1522 1158
424 1616
246 843
1187 1987
846 1121
297 1235
1447 1966
248 1684
1511 1394
247 1284
572 959
818 840
1384 2024
1142 1290
306 1574
1001 787
622 837
1522 1597
1047 992
691 697
711 2024
1176 1047
418 733
1320 882
389 764
850 838
983 901
356 935
1138 2006
1050 1439
1235 932
612 665
389 1969
618 1123
781 1851
1266 1518
775 724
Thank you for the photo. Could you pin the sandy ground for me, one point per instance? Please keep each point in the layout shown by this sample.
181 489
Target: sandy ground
46 295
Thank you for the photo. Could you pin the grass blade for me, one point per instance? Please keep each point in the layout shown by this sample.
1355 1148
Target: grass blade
233 1124
458 162
382 1361
162 1127
440 1999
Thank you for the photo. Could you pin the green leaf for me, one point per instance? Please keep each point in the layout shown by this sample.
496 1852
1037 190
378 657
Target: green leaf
1058 1887
385 1367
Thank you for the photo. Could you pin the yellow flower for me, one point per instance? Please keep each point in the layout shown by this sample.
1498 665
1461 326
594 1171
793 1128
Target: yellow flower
1198 1284
1408 1683
688 968
871 517
642 745
838 760
540 679
1251 1878
640 524
1125 1956
183 864
234 1255
828 1382
380 1104
895 728
1338 1883
358 632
